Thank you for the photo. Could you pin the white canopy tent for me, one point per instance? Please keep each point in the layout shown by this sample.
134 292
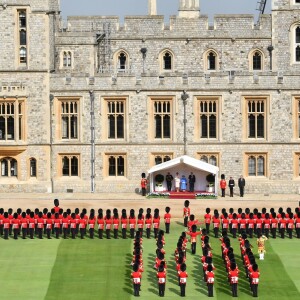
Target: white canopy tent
184 165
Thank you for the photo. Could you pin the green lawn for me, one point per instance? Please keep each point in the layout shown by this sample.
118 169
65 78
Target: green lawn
99 269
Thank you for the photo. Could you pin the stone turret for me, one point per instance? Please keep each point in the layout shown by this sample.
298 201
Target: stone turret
189 8
152 11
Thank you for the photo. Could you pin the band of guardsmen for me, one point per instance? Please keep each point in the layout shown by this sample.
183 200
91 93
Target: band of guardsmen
243 224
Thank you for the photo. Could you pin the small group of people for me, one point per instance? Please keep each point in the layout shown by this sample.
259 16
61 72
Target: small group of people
231 185
181 183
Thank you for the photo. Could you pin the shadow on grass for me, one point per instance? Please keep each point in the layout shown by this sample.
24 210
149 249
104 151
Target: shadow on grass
177 292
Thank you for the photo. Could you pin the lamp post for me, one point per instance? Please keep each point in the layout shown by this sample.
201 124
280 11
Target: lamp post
184 97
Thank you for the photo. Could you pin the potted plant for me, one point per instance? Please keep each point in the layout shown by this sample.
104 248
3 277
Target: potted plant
210 178
159 179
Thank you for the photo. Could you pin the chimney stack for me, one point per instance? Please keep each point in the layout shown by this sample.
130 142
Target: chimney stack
189 8
152 7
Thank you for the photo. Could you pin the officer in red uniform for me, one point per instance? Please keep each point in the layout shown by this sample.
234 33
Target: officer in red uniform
167 218
136 280
24 225
207 219
233 276
161 275
73 225
132 223
100 222
223 185
144 183
116 223
40 225
82 225
91 224
254 280
140 224
182 279
186 212
124 222
148 222
108 223
65 224
57 225
216 222
6 225
31 225
49 224
210 279
15 222
156 222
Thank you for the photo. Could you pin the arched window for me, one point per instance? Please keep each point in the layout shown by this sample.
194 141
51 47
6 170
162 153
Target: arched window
116 165
257 165
257 61
167 65
295 38
70 165
121 61
23 37
67 59
32 167
161 158
210 158
211 60
9 167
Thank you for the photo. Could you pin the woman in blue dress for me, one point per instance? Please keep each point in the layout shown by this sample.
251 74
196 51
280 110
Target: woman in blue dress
183 183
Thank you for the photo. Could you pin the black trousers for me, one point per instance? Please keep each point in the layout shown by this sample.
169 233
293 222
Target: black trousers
16 233
282 232
167 227
131 233
250 231
65 232
116 233
169 185
141 232
155 232
234 289
216 232
255 290
273 232
48 232
194 248
91 230
40 233
136 289
242 191
24 233
210 288
234 232
182 289
82 232
57 232
73 233
161 289
207 225
148 232
31 232
124 233
1 229
231 191
143 191
267 232
6 232
298 233
223 192
108 233
185 221
100 233
192 184
290 232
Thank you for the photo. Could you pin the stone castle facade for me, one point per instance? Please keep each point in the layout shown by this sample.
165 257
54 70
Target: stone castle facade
89 105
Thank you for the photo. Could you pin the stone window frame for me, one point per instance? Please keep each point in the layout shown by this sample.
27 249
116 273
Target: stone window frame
162 60
257 156
251 62
32 168
296 2
294 44
152 125
206 64
61 156
296 165
22 50
104 114
197 113
58 124
163 155
209 155
9 160
106 165
296 117
19 117
68 56
116 61
258 98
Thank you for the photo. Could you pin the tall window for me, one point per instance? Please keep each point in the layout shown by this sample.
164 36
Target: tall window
160 158
32 166
297 43
122 58
297 1
70 165
67 59
11 120
69 114
208 114
211 60
9 167
22 29
257 61
167 61
116 165
257 164
162 113
210 158
116 119
256 118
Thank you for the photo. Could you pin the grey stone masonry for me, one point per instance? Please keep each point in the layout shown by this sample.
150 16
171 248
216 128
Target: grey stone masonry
79 61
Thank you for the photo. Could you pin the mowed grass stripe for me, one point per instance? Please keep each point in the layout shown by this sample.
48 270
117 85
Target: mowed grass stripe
85 268
26 267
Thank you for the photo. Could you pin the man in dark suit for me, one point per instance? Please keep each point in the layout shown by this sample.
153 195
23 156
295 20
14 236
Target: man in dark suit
242 184
192 180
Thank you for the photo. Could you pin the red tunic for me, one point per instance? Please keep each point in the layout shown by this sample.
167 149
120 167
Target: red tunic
49 223
82 223
210 277
116 222
225 223
148 223
216 222
108 223
56 223
193 236
156 222
233 276
140 223
100 223
91 223
161 277
182 277
136 277
167 218
207 218
24 223
65 222
72 223
124 223
15 223
186 211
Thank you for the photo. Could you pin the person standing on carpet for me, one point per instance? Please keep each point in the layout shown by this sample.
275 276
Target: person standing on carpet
183 183
169 179
177 182
192 180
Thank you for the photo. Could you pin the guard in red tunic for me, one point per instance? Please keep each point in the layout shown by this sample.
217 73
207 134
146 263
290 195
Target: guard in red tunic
91 224
100 222
108 223
65 224
6 225
15 222
57 225
216 222
132 223
148 222
161 275
24 225
290 225
116 223
156 222
282 224
140 223
207 219
1 220
144 183
49 224
254 280
82 225
182 279
31 225
297 224
167 218
56 206
234 225
193 234
136 280
124 222
210 279
233 276
186 212
40 225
